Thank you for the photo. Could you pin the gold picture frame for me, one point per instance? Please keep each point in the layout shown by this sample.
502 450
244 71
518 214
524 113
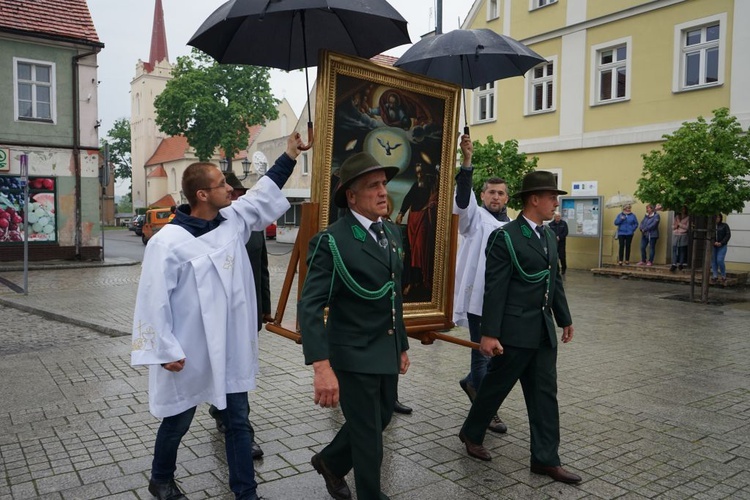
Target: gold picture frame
403 120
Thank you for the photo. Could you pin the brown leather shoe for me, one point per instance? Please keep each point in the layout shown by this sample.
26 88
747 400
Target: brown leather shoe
475 450
497 425
336 486
556 473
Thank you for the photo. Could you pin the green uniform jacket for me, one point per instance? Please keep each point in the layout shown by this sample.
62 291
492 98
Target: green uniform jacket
359 335
516 311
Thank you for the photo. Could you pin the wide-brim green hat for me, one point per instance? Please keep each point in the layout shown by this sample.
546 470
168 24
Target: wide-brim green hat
355 166
539 180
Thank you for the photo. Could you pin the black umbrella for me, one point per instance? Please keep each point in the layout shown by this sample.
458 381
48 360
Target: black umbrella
288 34
469 58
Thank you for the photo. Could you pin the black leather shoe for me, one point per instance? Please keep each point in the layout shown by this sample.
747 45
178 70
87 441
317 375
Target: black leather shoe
216 414
336 486
165 491
468 389
403 409
556 473
255 450
497 425
474 449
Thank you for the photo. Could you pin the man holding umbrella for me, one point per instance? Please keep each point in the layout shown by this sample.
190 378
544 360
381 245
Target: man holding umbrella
351 320
195 322
523 298
475 224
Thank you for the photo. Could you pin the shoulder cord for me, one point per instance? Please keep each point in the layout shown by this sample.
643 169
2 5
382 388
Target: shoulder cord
340 268
529 278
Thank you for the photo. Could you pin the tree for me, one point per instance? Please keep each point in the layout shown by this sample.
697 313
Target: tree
214 105
501 160
704 166
125 206
118 138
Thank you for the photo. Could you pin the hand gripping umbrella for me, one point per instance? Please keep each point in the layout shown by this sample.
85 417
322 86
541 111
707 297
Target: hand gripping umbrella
287 34
469 58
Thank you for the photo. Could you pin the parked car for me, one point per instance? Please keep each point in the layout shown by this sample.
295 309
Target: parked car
271 232
137 224
156 218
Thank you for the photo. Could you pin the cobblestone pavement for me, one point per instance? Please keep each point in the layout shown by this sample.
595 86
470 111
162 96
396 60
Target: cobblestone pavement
654 400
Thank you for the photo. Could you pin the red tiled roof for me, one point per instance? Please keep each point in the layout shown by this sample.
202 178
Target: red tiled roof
165 201
157 172
384 59
169 149
64 18
253 134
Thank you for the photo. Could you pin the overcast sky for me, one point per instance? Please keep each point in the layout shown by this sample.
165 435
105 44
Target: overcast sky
125 29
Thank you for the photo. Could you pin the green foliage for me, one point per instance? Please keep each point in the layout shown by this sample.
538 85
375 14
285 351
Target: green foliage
214 104
125 205
702 165
118 138
501 160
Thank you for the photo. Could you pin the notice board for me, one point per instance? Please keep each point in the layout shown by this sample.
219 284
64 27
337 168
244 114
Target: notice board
583 215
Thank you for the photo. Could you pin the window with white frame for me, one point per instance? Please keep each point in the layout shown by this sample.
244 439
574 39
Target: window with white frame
305 165
701 55
535 4
611 63
700 48
493 12
541 92
484 103
34 90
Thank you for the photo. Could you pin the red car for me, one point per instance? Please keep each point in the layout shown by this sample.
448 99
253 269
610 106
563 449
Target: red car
271 232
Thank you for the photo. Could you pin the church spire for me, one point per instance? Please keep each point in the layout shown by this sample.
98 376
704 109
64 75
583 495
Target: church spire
158 38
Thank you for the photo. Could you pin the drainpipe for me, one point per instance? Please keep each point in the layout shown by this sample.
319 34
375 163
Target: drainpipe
77 149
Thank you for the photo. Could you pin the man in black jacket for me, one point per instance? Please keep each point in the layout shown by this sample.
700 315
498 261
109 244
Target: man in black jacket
560 228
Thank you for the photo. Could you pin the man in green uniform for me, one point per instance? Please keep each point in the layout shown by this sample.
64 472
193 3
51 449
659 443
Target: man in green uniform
523 298
351 319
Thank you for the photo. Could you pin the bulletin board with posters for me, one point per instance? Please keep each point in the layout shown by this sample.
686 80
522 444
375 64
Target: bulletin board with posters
584 217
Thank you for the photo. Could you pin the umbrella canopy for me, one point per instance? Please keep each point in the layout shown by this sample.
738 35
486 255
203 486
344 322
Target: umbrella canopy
469 58
287 34
619 200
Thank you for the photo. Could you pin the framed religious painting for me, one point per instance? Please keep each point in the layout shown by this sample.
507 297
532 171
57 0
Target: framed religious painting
410 122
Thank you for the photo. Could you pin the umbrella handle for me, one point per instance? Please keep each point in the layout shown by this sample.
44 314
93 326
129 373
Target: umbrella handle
466 130
309 138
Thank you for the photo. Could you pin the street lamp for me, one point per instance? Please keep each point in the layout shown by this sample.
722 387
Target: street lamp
245 168
226 166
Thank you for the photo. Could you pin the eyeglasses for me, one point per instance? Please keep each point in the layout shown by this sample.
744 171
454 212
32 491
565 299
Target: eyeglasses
222 185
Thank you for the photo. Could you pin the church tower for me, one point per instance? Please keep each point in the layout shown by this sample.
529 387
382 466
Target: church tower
150 79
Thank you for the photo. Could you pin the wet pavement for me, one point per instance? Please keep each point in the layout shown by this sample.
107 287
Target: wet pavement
654 401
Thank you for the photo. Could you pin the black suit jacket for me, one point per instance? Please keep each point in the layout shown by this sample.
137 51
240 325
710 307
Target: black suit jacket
515 310
359 334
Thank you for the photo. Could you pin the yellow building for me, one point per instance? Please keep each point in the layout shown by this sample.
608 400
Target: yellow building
620 74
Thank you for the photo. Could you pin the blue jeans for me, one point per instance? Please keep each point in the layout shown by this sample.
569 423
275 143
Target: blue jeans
478 360
238 438
646 242
679 256
717 261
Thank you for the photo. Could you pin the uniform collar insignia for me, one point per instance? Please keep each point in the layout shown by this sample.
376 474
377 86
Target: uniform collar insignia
526 230
359 233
